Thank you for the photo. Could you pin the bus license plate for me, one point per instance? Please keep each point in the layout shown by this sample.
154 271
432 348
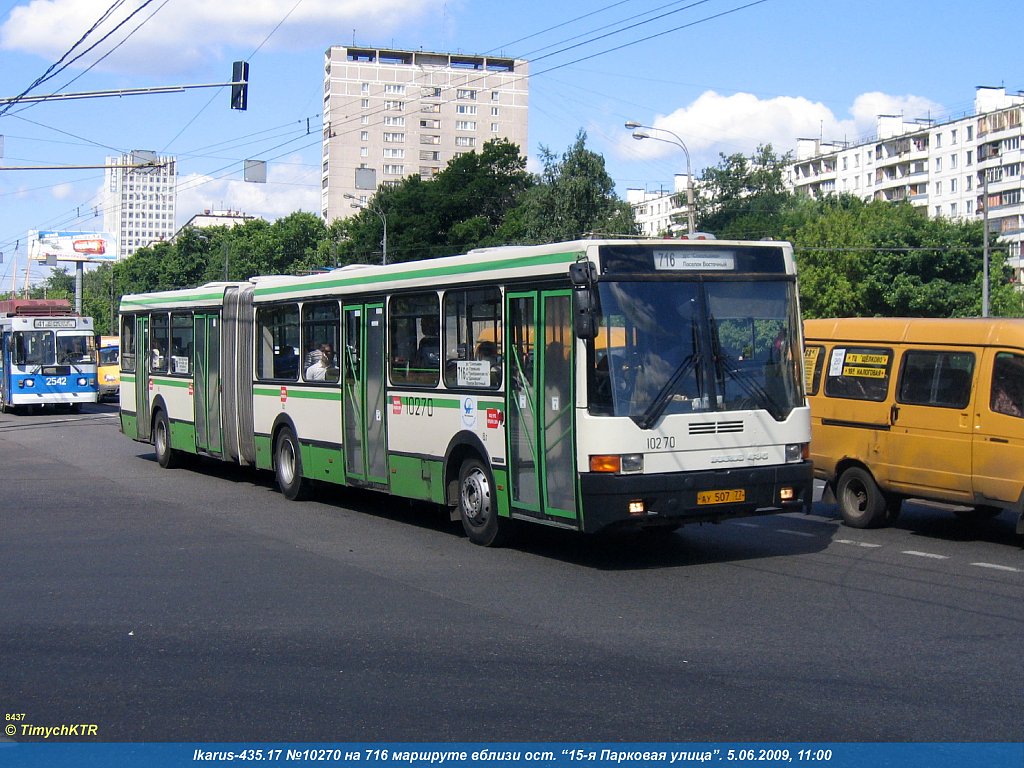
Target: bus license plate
728 496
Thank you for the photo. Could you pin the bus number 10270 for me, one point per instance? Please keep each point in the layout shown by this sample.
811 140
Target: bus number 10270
665 443
419 406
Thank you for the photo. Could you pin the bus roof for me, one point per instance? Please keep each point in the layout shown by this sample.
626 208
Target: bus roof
977 331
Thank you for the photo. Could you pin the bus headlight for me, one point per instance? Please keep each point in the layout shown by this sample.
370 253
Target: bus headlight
82 381
796 452
616 464
29 383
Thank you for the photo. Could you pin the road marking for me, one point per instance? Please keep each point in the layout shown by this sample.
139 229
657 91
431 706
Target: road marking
932 555
748 525
995 567
857 543
797 533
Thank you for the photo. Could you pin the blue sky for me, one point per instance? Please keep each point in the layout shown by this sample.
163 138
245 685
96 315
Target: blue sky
725 75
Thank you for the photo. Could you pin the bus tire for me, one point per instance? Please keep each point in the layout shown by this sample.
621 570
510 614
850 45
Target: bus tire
478 507
288 465
861 502
166 456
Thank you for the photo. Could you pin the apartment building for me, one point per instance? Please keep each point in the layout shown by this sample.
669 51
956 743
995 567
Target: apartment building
963 169
390 113
139 199
657 212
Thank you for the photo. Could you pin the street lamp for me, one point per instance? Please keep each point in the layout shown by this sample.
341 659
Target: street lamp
383 220
640 135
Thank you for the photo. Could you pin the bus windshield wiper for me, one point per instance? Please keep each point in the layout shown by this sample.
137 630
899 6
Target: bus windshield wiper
751 387
660 402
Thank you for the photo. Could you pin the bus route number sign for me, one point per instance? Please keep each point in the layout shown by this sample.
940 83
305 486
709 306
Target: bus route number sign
677 261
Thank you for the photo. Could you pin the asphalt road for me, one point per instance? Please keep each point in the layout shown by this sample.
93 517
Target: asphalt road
198 605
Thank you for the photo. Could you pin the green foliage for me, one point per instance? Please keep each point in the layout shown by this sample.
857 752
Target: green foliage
745 198
575 196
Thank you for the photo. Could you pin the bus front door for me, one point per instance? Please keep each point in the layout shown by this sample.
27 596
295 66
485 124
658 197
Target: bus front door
540 404
362 372
143 368
206 385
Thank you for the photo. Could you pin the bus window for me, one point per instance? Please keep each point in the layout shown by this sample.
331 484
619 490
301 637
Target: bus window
158 336
415 340
181 343
472 333
128 343
277 342
319 327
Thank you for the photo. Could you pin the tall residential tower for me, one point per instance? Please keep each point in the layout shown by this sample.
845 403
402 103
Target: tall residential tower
389 114
139 200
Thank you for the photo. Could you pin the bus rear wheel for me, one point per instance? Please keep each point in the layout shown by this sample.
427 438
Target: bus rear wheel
478 506
288 465
861 501
166 456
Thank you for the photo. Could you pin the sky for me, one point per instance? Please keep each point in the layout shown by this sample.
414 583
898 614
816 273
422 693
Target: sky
724 76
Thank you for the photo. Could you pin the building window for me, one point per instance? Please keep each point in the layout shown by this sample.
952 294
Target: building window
465 141
394 136
465 109
952 161
465 125
364 103
465 93
394 170
494 127
396 105
395 89
364 88
394 120
495 96
938 164
394 153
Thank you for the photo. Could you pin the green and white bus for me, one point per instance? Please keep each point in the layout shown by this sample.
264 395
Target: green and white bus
587 385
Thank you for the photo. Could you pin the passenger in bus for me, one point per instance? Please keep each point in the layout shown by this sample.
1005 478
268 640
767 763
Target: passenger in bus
324 369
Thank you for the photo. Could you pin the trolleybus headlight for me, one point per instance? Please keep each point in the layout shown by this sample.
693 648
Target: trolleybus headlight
28 382
82 381
796 452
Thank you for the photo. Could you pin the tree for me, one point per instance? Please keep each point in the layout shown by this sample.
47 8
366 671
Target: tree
886 259
575 196
745 198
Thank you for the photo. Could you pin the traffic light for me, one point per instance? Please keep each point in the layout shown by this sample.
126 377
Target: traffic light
239 84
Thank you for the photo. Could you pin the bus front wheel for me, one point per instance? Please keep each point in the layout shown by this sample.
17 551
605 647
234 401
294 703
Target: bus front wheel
166 456
861 501
288 465
478 506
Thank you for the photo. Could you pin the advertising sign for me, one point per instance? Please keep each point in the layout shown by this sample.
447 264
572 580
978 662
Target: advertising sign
51 245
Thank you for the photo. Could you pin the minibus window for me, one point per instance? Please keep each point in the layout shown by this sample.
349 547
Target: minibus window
941 379
858 373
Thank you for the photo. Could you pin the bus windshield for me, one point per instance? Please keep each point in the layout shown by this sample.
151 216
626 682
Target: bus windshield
670 347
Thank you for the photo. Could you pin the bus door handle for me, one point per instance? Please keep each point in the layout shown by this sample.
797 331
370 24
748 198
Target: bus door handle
894 414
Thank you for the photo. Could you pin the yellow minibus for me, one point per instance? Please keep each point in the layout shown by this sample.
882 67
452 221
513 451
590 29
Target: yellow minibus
917 408
108 373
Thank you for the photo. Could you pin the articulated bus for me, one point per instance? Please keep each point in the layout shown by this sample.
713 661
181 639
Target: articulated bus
588 385
47 355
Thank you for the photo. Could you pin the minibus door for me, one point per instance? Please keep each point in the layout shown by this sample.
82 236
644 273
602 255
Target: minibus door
363 390
542 464
929 446
999 437
206 385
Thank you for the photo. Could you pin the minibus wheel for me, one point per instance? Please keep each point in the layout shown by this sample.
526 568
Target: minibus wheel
861 502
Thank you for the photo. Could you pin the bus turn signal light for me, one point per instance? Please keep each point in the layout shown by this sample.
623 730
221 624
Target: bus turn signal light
608 464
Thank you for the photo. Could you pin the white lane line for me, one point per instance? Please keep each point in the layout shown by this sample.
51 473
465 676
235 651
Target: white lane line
747 525
797 533
995 567
857 543
932 555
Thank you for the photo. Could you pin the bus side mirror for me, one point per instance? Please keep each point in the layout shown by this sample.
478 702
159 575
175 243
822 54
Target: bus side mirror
583 275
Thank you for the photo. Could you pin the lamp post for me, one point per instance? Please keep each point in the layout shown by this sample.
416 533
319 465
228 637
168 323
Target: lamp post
640 135
383 220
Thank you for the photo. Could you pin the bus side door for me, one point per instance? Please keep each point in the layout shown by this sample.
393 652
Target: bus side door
363 389
206 375
540 404
999 433
143 366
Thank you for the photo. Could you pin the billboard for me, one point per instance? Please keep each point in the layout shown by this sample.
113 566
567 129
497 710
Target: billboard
49 246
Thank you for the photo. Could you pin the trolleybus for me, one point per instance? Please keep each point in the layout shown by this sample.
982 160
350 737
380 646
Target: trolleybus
47 355
588 385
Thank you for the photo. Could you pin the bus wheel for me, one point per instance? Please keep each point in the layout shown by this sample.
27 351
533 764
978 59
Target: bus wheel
288 465
477 506
166 456
861 502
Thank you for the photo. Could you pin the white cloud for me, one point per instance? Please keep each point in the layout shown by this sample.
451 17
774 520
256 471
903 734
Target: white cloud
187 32
62 191
715 123
290 187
